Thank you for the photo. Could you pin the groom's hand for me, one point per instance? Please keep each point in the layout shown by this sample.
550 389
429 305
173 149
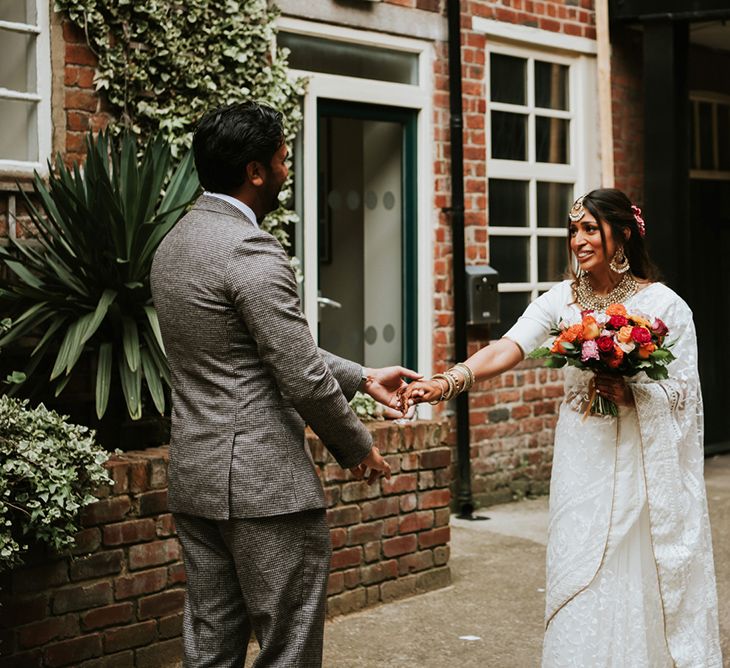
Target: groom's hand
386 385
372 467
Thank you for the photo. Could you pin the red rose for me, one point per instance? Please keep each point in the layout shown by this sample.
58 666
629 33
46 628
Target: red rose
605 345
641 335
618 321
659 328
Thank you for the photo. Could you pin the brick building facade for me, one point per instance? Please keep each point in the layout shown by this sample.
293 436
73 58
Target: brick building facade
512 418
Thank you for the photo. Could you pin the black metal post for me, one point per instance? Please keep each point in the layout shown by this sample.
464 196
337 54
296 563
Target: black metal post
456 123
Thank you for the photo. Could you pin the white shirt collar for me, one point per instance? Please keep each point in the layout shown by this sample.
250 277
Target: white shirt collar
243 208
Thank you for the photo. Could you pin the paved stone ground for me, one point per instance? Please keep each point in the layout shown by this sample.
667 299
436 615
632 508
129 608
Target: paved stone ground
492 614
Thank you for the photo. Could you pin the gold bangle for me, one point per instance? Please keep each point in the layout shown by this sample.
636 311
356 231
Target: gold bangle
443 391
469 374
459 381
449 393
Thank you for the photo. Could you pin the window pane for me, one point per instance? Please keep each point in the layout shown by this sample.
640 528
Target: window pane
508 203
361 240
551 139
17 61
354 60
723 137
552 258
509 132
553 203
551 85
511 306
510 256
18 11
705 119
18 139
507 79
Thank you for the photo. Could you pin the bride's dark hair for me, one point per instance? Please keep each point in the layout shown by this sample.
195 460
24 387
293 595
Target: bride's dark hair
614 207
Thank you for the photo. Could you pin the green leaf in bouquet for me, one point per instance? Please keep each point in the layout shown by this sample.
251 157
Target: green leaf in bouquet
565 345
556 362
661 354
540 353
657 372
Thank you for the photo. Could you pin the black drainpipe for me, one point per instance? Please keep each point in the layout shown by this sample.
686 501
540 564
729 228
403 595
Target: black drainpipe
464 498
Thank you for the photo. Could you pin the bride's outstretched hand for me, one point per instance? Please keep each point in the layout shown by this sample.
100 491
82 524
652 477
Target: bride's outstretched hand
421 391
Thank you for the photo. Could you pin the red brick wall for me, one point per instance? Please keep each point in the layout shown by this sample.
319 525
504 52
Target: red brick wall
84 109
512 418
120 595
627 106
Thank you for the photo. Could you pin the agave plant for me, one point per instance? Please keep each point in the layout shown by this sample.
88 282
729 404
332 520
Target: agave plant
83 286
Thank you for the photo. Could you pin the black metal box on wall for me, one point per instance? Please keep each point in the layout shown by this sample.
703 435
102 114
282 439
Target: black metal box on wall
482 297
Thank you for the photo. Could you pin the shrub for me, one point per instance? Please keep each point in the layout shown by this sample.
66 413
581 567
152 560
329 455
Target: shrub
162 64
48 471
86 287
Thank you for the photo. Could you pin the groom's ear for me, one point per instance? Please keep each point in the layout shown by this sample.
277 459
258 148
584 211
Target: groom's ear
255 173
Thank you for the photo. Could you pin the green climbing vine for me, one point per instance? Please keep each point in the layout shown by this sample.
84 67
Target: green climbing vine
162 63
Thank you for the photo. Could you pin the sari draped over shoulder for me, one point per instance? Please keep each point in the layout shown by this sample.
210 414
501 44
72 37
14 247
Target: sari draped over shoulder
630 575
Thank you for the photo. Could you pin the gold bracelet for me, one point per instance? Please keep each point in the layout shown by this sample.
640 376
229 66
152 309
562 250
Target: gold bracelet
445 396
459 381
443 390
469 374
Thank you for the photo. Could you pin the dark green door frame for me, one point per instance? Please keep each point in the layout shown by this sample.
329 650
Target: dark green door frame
408 118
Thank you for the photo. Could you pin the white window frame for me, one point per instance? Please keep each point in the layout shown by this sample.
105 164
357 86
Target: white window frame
583 169
42 95
715 99
353 89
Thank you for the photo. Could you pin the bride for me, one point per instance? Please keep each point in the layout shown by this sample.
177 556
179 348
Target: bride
630 575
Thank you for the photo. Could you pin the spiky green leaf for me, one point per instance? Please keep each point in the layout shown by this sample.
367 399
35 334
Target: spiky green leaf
152 377
103 378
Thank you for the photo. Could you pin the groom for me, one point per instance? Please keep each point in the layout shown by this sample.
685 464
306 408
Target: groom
246 378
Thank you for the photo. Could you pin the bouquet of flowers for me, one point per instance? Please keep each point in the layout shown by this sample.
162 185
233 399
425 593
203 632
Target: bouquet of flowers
612 341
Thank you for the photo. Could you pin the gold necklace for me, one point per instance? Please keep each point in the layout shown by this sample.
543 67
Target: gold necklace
588 299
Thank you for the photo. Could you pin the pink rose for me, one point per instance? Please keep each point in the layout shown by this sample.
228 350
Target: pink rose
589 351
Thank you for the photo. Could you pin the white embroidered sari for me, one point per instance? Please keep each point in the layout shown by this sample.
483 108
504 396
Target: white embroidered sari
630 575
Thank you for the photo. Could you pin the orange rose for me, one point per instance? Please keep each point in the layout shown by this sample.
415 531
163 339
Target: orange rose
618 357
616 309
646 350
570 335
591 330
558 345
573 332
624 334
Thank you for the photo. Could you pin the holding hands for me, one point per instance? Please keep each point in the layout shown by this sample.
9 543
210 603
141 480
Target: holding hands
386 386
442 387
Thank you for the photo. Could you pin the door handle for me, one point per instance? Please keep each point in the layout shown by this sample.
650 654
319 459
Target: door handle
326 301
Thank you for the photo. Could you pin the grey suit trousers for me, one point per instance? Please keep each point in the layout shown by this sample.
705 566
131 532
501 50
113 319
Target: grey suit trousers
264 574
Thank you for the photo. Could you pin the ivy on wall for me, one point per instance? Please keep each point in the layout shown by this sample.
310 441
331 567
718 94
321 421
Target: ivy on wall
163 63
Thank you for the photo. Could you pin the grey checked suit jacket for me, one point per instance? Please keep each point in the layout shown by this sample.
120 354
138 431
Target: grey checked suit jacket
246 373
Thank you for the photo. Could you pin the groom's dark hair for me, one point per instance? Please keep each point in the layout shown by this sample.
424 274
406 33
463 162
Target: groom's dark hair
228 138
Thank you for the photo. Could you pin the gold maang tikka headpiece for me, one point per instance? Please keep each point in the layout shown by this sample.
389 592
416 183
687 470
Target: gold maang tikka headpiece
577 211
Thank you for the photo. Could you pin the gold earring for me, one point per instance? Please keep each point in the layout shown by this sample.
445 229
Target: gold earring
619 262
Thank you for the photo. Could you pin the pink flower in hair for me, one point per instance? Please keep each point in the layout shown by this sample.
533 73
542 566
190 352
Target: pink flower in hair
639 220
